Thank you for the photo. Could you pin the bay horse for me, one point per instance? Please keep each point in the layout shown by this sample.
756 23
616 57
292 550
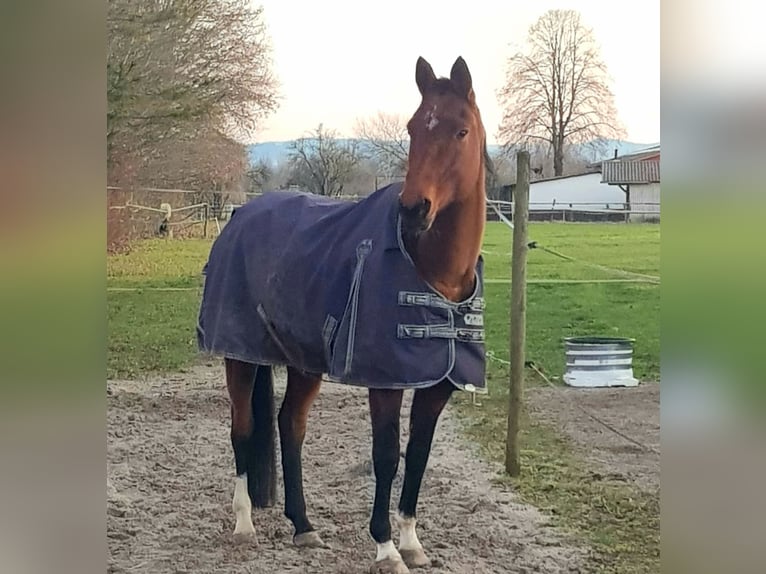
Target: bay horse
385 293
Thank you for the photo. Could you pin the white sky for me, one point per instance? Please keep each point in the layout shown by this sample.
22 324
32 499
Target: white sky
337 60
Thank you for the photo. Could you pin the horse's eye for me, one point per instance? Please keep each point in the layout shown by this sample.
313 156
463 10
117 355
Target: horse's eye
461 134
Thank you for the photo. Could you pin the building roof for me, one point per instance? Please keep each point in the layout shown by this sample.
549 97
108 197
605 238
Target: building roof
616 172
652 152
648 152
642 166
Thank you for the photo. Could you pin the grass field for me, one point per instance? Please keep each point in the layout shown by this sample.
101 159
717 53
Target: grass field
150 329
555 311
154 330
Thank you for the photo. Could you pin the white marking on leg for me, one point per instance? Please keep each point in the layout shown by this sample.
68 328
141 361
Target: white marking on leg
408 538
242 507
388 550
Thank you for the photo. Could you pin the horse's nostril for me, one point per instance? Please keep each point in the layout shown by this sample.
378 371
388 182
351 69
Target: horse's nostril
417 211
416 218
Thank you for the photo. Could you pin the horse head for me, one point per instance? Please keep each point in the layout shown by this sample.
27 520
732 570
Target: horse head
447 147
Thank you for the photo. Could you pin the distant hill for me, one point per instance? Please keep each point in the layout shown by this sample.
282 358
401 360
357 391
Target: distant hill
275 152
270 152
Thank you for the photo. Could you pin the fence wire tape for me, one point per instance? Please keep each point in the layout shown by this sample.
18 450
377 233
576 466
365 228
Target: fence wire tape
499 213
641 276
136 289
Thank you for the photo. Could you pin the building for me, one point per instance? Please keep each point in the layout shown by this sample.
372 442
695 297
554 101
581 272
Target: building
580 197
638 176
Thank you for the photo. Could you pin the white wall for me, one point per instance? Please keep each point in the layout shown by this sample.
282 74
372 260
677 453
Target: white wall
581 189
642 194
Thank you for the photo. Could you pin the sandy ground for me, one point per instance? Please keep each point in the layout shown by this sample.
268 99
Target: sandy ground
634 411
170 483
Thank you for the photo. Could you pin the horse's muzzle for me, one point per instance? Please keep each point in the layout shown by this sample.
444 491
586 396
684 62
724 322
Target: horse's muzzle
415 220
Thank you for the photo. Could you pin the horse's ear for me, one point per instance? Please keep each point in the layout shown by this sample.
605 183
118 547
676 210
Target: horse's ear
424 76
461 78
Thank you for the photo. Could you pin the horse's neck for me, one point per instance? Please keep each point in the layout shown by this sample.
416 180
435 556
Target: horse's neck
447 253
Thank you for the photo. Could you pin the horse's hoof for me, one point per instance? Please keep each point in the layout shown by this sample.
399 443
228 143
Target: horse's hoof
415 558
389 566
242 538
308 540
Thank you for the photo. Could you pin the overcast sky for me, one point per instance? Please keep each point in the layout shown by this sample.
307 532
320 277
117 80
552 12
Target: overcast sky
338 60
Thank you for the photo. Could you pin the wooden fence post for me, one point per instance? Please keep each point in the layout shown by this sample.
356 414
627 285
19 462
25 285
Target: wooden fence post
518 311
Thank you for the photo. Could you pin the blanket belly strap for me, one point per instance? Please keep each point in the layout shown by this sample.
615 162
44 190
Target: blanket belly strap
412 298
440 332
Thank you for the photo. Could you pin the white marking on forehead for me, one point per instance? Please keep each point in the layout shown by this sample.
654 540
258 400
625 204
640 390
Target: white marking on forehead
431 120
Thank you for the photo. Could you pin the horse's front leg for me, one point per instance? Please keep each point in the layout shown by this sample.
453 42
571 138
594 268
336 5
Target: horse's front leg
427 405
385 406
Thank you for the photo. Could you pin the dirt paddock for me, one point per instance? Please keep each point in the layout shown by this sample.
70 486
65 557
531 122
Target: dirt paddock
170 481
633 411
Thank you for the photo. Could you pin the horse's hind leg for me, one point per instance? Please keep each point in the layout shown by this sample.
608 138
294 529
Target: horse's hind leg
385 407
301 391
427 405
252 437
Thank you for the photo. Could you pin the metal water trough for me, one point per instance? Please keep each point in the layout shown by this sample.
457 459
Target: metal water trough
599 362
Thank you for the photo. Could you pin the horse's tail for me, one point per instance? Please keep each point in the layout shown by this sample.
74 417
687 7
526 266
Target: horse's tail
261 455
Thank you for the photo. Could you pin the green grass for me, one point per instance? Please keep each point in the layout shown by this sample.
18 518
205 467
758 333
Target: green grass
151 331
154 331
555 311
159 263
619 523
633 248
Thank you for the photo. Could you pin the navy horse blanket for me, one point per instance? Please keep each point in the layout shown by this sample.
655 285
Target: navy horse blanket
327 286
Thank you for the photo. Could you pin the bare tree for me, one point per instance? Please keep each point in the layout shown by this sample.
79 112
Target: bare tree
557 91
364 179
541 162
206 161
259 176
387 138
323 163
502 173
174 64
